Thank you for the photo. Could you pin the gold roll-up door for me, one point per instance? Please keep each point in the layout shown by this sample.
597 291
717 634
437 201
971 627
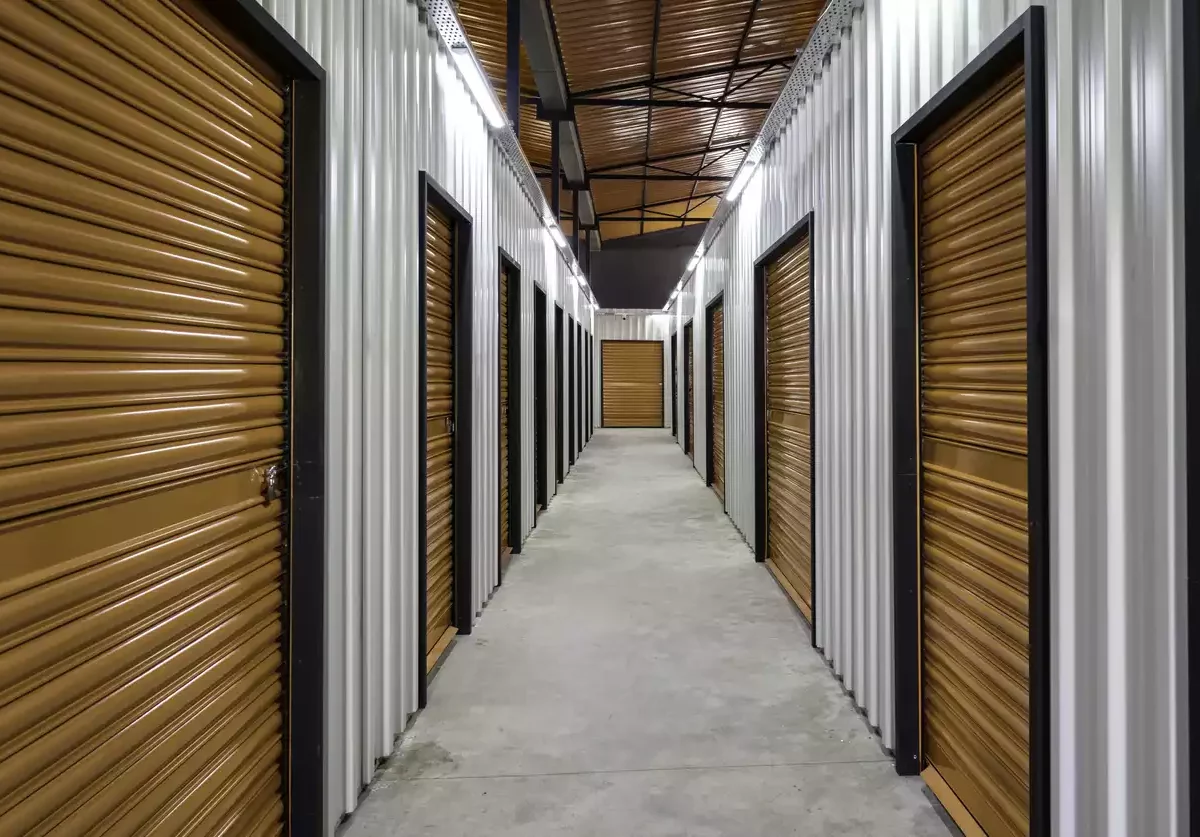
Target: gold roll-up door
974 504
439 444
142 371
789 423
505 538
632 378
718 400
691 383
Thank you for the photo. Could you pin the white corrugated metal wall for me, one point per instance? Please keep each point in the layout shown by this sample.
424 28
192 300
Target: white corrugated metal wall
396 106
632 324
1118 527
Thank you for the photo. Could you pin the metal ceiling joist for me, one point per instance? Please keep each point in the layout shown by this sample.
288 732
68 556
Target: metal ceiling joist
537 31
809 64
692 75
739 145
676 178
693 104
699 199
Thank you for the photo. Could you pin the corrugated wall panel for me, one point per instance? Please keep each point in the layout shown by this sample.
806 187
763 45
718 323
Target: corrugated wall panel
396 106
1116 370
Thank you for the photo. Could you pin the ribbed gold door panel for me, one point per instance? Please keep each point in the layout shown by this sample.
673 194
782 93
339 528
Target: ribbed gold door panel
505 537
632 372
789 423
974 510
718 401
142 375
690 417
439 450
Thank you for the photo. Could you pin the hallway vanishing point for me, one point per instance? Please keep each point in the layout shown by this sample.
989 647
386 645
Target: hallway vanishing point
639 675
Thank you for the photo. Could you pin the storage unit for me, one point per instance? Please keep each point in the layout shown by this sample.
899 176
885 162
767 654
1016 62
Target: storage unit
504 431
572 391
439 434
789 421
144 430
716 363
975 472
631 373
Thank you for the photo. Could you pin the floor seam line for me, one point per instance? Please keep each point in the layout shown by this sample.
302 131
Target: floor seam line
680 768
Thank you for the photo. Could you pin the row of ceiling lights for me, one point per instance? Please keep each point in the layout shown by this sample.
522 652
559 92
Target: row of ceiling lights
740 181
481 89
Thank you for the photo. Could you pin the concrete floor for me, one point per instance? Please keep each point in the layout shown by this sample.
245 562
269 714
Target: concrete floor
638 675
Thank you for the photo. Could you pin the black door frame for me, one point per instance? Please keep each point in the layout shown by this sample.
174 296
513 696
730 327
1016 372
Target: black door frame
675 384
1023 42
1191 245
559 376
579 432
688 419
572 383
431 193
541 466
709 456
512 276
804 228
303 611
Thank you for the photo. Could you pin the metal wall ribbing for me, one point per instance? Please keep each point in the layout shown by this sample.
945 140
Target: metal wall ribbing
396 105
1116 364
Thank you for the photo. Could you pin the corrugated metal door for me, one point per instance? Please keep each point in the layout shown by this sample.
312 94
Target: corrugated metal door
789 423
974 533
439 445
691 384
143 272
505 537
632 381
718 401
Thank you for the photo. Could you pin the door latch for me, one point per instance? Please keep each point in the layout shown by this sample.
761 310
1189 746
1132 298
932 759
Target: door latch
272 486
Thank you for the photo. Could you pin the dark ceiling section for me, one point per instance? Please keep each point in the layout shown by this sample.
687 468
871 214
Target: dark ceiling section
667 95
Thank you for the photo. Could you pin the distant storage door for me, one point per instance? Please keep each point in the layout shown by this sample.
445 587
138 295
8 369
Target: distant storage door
975 538
142 371
505 536
632 380
789 424
718 401
439 441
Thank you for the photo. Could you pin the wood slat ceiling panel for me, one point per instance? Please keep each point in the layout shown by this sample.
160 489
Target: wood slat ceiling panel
604 43
781 27
679 130
614 195
695 34
611 135
658 190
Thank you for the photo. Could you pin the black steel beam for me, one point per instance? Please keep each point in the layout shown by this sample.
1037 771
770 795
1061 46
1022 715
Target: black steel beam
691 104
742 144
513 66
666 219
702 198
653 73
678 178
555 172
692 75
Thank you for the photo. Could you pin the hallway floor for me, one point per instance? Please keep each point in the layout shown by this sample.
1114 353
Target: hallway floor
638 675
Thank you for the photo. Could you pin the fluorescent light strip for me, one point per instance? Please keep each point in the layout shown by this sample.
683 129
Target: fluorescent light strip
479 86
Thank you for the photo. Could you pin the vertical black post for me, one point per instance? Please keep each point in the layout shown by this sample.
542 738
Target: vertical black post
575 227
513 77
555 171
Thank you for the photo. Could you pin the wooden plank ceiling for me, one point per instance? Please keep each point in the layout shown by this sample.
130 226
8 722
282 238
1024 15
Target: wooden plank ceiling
652 166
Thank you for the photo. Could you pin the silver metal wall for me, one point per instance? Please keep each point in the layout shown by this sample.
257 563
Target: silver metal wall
1118 528
632 324
397 106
